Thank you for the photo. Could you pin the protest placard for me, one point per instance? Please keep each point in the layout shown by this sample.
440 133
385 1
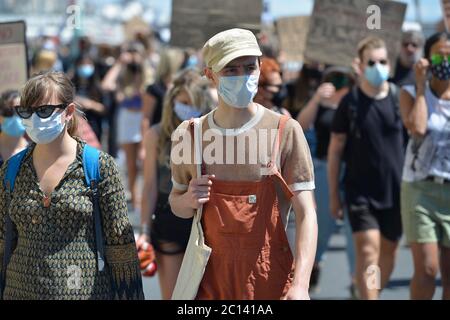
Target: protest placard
13 56
292 33
337 26
194 22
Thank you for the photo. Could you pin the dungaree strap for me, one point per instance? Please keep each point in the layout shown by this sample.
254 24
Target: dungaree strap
273 163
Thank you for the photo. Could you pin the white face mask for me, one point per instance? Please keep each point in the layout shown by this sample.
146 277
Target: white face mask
185 112
238 91
43 131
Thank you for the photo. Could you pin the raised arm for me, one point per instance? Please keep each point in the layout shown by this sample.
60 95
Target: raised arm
414 112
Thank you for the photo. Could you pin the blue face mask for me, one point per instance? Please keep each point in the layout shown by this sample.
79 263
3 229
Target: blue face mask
376 74
85 71
238 91
185 112
13 126
43 131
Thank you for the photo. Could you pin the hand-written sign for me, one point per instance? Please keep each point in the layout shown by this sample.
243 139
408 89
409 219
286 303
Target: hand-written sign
13 56
337 26
292 33
195 21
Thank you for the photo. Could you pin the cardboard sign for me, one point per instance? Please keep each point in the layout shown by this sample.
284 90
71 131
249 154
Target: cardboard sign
445 4
195 21
337 26
13 56
292 32
134 26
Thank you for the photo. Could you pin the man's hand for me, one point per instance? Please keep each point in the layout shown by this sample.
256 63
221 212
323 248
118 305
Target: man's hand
297 293
198 191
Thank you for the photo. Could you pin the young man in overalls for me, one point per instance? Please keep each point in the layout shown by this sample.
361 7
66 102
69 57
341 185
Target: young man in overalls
255 165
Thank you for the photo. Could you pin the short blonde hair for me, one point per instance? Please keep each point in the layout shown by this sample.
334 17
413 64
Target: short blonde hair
370 43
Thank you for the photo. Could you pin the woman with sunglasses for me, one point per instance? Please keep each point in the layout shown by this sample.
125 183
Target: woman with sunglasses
51 209
425 194
12 135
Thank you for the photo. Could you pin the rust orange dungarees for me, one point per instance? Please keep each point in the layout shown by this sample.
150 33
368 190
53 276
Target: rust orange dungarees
251 257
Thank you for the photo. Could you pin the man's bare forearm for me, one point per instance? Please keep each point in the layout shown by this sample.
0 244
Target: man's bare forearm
305 238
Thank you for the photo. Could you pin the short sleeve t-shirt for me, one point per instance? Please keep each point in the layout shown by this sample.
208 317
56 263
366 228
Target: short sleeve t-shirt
374 157
430 155
157 90
322 128
239 154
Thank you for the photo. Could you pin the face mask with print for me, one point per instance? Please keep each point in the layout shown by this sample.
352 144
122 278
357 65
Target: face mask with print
441 71
13 126
185 112
43 131
238 91
85 71
376 74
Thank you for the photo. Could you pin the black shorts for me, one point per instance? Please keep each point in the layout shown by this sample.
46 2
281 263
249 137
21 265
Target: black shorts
168 228
387 221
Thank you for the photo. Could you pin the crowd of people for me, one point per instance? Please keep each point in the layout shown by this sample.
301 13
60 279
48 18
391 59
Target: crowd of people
365 148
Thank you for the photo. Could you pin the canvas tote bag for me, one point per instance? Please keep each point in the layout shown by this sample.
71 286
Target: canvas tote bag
197 252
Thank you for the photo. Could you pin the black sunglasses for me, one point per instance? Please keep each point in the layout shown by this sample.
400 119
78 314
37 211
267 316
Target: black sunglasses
371 63
43 112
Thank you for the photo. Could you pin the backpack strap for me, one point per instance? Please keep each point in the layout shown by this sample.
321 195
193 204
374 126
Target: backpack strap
353 112
9 180
394 91
91 159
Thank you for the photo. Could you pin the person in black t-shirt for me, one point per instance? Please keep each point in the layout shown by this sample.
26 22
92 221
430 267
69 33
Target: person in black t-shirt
367 133
170 62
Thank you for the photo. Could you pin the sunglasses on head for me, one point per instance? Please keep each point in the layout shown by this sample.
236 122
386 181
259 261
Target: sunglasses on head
43 112
371 62
438 58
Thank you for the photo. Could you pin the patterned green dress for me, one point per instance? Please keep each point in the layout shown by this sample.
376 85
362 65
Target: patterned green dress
54 249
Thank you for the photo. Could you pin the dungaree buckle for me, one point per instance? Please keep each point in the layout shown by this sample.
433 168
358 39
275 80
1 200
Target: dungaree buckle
252 198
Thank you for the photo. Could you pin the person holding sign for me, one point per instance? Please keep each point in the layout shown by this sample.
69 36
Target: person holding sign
425 193
367 133
245 203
